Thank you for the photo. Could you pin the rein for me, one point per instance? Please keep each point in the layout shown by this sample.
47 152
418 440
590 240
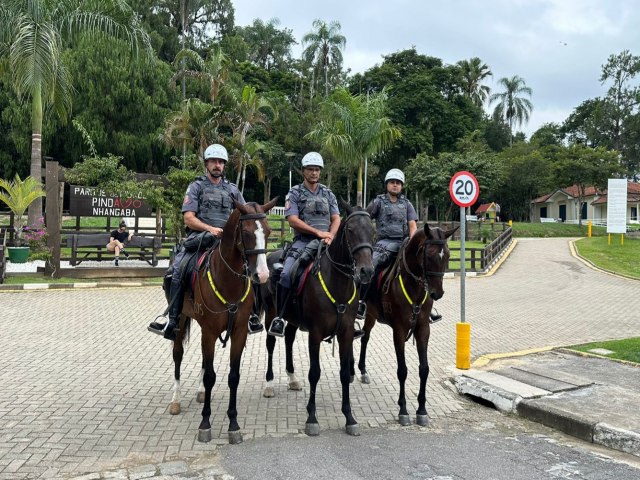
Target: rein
347 270
232 308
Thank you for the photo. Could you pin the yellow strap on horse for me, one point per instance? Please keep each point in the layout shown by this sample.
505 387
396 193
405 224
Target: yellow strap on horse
326 290
222 299
406 295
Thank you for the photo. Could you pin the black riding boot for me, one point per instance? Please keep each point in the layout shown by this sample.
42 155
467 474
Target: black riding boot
171 329
255 326
434 317
155 326
278 323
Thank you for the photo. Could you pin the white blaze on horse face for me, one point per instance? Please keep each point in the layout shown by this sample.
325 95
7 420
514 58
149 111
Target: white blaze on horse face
261 265
441 254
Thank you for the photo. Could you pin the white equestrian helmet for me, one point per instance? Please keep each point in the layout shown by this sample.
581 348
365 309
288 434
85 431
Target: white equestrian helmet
216 151
312 159
394 174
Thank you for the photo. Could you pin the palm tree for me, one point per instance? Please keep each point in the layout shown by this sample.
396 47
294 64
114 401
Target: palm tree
324 48
474 72
355 128
18 195
194 125
512 107
214 70
34 34
248 110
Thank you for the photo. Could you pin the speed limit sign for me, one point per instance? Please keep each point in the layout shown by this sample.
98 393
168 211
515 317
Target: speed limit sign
464 189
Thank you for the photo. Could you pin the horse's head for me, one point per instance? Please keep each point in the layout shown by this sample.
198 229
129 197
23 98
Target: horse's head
435 257
357 237
251 238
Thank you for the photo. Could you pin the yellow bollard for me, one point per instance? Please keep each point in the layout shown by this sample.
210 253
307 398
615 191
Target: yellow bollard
511 223
609 239
589 228
622 239
463 345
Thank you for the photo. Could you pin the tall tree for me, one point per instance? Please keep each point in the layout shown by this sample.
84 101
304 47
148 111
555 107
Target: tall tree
473 72
269 47
34 35
354 128
324 47
512 107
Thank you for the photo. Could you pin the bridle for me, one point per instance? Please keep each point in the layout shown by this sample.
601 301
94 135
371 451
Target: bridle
341 267
244 251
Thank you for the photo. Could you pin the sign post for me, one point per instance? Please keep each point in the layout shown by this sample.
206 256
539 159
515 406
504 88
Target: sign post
464 191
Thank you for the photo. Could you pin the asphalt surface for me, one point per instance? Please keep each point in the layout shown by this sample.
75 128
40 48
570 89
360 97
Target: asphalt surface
86 387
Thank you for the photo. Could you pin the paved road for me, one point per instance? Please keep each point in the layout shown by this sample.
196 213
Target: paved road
86 388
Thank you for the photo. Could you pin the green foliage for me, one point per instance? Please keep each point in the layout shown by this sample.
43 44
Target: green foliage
97 171
268 46
18 195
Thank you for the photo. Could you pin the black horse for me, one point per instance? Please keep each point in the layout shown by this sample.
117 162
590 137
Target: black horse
326 308
402 298
222 301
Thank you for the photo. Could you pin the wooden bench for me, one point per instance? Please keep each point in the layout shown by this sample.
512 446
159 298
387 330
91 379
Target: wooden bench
93 246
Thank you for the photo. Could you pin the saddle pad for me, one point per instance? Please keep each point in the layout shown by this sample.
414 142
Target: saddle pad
194 273
303 279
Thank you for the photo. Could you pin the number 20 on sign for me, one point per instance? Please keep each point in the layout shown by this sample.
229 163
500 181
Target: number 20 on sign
464 189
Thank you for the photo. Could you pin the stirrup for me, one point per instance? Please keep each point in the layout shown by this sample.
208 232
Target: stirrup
362 310
357 330
277 333
157 327
254 324
434 318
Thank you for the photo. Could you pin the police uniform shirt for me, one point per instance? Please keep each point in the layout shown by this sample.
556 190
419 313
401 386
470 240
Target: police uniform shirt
375 207
292 202
191 202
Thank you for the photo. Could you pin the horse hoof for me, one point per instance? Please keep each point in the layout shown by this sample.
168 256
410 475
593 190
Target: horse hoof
312 429
235 437
200 397
204 436
422 420
297 386
353 430
405 420
174 408
365 379
269 392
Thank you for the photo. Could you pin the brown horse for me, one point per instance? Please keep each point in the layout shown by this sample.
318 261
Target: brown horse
326 308
222 300
403 301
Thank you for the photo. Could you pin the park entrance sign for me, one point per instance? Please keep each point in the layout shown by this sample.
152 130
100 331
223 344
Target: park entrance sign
92 202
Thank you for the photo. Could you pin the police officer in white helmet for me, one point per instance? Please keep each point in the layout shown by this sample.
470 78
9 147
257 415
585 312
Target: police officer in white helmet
395 219
312 211
207 205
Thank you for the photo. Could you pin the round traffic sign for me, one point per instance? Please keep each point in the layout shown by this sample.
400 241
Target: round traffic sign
464 189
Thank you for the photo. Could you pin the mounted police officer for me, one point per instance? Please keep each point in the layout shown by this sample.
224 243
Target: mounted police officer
395 220
207 205
312 211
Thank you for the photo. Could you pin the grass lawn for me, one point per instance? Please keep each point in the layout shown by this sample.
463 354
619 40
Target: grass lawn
627 349
522 229
617 258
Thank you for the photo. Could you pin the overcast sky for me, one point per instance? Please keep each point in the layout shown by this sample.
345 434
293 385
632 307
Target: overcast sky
557 46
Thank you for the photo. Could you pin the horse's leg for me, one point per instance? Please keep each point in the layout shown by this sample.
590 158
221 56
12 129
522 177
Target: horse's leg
399 336
311 427
209 380
200 394
422 344
346 360
364 341
178 353
269 391
237 347
289 338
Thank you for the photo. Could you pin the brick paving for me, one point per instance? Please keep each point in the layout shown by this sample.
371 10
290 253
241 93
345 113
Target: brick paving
86 387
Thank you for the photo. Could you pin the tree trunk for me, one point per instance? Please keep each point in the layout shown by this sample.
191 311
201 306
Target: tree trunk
359 196
35 209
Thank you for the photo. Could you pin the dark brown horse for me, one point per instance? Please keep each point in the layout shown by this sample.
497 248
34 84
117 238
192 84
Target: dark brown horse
403 301
222 301
326 308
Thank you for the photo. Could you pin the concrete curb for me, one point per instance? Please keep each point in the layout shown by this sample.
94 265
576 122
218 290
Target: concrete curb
77 285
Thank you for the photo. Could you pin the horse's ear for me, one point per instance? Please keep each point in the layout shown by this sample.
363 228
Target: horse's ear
449 233
427 230
268 206
345 206
240 206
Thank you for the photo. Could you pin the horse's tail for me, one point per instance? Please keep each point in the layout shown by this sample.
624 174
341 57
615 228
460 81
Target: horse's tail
187 331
